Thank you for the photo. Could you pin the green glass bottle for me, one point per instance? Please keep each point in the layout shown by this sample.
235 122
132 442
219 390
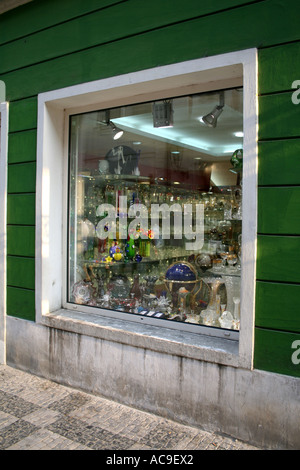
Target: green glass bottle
130 248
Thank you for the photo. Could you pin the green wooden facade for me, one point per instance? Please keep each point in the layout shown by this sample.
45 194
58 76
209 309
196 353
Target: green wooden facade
50 44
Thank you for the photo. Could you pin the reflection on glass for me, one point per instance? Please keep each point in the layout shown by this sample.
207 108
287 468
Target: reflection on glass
155 218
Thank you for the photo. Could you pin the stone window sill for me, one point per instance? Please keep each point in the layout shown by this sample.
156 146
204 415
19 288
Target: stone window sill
163 340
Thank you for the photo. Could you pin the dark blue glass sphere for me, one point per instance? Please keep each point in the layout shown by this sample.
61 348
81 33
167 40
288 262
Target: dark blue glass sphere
181 272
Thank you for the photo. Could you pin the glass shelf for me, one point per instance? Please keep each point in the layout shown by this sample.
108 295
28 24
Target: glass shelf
221 273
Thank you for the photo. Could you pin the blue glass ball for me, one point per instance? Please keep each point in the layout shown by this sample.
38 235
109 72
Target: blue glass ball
181 272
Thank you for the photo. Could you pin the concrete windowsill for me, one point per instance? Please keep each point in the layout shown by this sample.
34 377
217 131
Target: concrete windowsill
160 339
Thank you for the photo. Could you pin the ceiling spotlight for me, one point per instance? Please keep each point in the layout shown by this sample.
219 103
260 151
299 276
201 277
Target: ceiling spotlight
211 119
117 133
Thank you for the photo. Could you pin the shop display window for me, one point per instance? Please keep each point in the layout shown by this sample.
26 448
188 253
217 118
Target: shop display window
155 210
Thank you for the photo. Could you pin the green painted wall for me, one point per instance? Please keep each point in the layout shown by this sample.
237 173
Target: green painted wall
49 44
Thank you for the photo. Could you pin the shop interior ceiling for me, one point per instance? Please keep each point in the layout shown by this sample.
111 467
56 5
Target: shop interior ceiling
189 140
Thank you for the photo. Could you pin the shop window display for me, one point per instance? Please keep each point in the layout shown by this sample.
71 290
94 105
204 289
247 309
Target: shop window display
155 209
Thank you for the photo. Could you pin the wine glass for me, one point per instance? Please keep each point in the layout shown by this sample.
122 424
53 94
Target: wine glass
232 261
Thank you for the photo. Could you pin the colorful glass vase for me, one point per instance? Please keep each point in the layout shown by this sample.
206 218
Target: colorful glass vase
130 248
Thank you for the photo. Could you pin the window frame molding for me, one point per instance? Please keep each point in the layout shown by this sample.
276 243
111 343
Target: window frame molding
4 126
54 109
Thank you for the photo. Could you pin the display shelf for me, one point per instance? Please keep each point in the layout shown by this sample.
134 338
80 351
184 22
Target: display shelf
119 275
163 184
230 273
118 264
115 178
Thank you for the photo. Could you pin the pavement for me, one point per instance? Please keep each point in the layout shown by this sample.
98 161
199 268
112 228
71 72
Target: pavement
37 414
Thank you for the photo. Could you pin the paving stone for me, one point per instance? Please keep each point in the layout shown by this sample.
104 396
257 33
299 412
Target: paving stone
15 432
164 436
95 412
95 438
46 440
69 403
42 418
43 392
6 419
14 405
200 440
37 414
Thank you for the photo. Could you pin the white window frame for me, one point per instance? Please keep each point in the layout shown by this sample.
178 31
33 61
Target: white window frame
3 211
55 107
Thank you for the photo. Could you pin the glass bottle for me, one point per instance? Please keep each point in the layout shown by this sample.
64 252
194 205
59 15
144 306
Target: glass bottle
130 248
135 289
236 308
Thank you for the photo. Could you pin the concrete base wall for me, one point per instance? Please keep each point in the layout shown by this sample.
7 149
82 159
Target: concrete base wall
255 406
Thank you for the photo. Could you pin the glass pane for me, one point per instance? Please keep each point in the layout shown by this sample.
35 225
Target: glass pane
155 213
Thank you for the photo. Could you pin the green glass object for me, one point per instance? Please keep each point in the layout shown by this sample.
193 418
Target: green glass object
237 159
130 248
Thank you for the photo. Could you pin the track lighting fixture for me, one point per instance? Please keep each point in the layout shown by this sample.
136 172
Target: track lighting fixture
211 119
